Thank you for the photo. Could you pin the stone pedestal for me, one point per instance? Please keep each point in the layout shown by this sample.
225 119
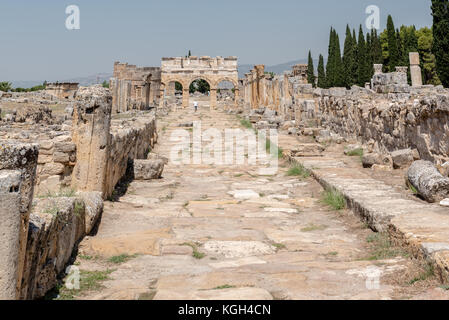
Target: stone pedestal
10 229
213 98
378 68
185 98
91 134
415 69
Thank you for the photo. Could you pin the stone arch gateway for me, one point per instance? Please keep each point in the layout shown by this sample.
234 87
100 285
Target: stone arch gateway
186 70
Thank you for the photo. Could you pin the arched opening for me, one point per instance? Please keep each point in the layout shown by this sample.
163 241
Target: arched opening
225 93
200 91
173 93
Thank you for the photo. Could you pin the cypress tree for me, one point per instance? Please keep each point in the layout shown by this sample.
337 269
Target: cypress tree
369 56
394 57
355 66
361 59
377 49
310 70
348 59
330 67
321 73
440 48
339 76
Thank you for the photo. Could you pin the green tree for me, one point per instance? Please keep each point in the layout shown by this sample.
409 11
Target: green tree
349 59
321 73
440 47
361 59
310 70
199 85
428 60
339 76
105 84
393 50
377 48
330 66
5 86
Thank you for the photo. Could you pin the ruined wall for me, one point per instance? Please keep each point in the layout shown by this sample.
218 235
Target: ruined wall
280 93
63 90
131 139
71 168
388 123
134 88
57 225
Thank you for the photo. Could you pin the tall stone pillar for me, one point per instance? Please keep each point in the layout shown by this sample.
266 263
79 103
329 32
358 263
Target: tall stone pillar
213 98
20 157
10 230
91 134
185 97
162 97
236 97
415 69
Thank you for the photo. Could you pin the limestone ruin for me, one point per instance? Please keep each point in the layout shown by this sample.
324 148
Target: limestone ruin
88 172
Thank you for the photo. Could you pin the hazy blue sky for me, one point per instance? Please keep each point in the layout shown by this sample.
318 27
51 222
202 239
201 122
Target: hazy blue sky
35 45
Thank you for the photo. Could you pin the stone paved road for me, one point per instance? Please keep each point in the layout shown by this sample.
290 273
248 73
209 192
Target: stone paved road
197 235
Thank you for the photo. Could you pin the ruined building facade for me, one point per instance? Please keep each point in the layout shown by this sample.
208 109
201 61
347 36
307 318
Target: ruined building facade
134 87
187 70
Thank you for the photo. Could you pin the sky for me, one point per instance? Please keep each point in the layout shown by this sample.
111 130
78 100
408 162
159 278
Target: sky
35 44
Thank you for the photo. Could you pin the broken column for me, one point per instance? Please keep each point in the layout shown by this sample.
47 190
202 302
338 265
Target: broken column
415 69
91 134
428 181
10 229
21 157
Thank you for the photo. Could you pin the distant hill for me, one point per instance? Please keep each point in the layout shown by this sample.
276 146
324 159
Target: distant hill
83 81
100 77
277 69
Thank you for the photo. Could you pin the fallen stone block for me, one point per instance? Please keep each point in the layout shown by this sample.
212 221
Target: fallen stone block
428 181
148 169
370 159
155 156
402 158
307 150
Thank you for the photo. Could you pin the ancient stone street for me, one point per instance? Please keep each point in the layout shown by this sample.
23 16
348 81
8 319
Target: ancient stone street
226 232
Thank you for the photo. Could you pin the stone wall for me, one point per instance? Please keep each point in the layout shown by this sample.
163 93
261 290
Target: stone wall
134 88
391 117
70 169
57 225
63 90
387 123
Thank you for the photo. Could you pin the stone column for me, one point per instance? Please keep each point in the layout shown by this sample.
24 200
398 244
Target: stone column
23 158
185 97
415 69
213 98
91 134
236 97
162 97
10 229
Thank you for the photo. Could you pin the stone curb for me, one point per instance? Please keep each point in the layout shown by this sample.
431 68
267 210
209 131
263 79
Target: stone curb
382 217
